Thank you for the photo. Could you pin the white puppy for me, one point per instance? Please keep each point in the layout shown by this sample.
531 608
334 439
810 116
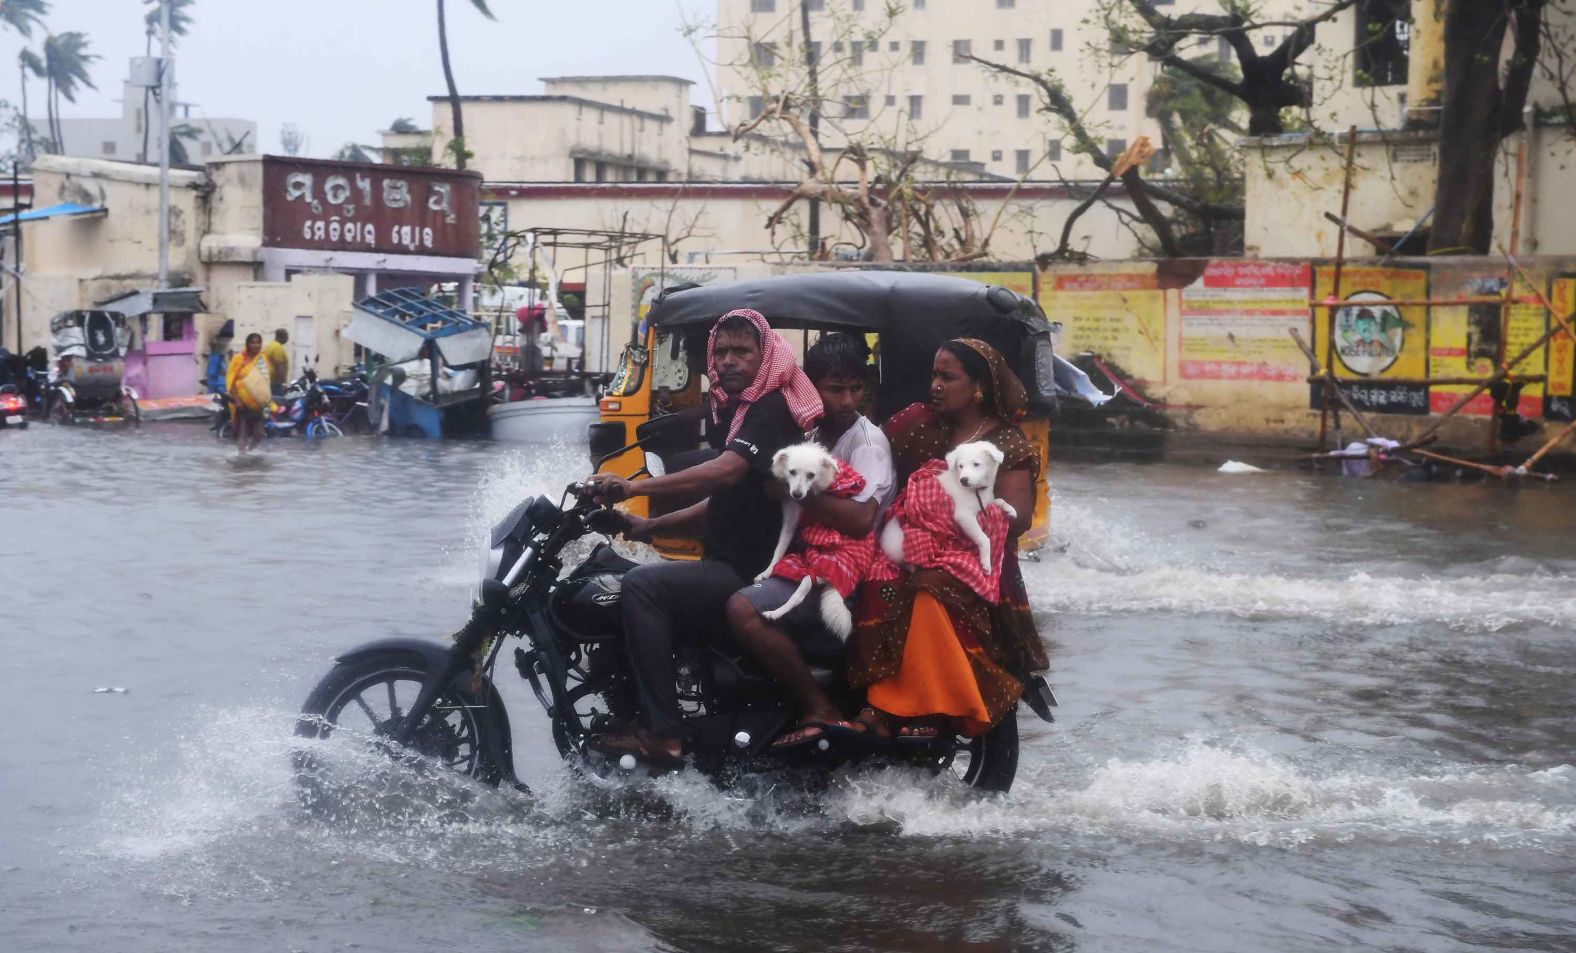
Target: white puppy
970 479
807 469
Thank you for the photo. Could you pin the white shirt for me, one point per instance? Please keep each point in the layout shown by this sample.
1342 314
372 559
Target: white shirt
865 448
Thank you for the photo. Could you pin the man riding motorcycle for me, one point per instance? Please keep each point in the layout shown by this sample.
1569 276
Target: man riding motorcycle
761 402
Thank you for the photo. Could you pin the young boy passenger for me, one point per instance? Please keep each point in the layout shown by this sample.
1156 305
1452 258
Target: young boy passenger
836 366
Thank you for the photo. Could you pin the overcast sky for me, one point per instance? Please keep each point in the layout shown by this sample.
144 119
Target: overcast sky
343 69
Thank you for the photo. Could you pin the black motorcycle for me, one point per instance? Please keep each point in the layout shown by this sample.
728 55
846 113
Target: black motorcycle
410 696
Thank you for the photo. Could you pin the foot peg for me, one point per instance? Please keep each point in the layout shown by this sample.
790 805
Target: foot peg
1040 698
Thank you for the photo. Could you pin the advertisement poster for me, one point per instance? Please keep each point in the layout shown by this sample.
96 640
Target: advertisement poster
1557 399
1236 320
1373 338
1464 341
1119 316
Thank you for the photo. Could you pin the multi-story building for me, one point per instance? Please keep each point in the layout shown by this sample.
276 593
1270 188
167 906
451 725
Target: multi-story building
907 79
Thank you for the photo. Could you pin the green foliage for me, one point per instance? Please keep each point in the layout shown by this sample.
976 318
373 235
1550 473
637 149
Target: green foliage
353 152
404 124
455 149
23 15
180 134
66 62
180 17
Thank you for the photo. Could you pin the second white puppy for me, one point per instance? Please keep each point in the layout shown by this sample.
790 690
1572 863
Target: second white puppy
970 480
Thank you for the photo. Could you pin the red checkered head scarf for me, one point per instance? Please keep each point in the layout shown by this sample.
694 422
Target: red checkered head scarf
778 371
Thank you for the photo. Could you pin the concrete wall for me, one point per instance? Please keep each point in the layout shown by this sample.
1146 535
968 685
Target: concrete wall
78 262
1207 342
1211 338
536 139
665 95
1291 181
726 223
324 300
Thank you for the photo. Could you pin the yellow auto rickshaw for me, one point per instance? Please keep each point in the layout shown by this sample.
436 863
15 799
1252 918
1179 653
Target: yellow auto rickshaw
652 414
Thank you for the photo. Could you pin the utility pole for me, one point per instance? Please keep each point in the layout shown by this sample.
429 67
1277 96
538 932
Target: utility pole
16 230
166 77
815 120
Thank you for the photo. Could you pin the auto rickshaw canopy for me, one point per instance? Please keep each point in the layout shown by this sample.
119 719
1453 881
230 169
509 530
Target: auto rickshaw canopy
914 313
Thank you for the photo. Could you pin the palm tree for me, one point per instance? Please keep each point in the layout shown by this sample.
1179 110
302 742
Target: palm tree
66 61
180 135
28 63
456 144
353 152
23 15
180 23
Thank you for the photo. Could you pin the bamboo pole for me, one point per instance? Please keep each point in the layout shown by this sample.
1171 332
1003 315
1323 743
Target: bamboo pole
1434 302
1538 297
1499 374
1510 275
1366 236
1454 381
1553 442
1325 406
1330 385
1521 181
1503 472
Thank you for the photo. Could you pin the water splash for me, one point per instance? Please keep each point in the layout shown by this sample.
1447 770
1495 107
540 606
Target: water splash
1101 566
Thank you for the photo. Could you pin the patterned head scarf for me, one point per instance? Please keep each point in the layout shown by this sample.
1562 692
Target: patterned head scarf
778 371
1008 400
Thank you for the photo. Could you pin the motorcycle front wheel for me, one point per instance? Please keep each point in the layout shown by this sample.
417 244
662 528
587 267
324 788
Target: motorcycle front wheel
369 696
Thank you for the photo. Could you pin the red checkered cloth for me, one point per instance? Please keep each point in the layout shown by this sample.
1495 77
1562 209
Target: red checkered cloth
823 552
932 540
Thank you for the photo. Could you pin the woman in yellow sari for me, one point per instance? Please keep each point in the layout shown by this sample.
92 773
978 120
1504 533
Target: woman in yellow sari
248 386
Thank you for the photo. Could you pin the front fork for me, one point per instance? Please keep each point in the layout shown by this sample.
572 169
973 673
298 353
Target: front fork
477 631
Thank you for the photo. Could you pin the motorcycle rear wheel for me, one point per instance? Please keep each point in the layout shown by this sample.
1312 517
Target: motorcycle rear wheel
990 761
369 694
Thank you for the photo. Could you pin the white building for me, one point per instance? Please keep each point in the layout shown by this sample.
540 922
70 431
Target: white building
133 136
905 79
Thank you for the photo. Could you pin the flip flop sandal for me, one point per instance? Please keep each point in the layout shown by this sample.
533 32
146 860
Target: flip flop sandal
616 746
916 741
837 732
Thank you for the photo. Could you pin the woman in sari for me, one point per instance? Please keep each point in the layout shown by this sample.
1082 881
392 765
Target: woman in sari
247 384
928 650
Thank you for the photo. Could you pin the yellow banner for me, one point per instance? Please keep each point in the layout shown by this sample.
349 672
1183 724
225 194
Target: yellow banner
1372 337
1562 348
1119 316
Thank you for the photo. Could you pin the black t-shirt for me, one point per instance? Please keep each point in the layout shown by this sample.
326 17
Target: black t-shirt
741 523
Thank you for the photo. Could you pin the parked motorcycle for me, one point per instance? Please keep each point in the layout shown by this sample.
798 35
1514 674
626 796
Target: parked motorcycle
440 701
301 409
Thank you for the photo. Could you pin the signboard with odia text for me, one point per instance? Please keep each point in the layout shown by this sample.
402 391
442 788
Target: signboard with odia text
362 207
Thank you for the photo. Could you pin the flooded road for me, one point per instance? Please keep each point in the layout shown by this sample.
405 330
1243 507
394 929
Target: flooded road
1298 713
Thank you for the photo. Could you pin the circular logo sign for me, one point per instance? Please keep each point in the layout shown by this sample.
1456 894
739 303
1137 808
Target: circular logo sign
1368 333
